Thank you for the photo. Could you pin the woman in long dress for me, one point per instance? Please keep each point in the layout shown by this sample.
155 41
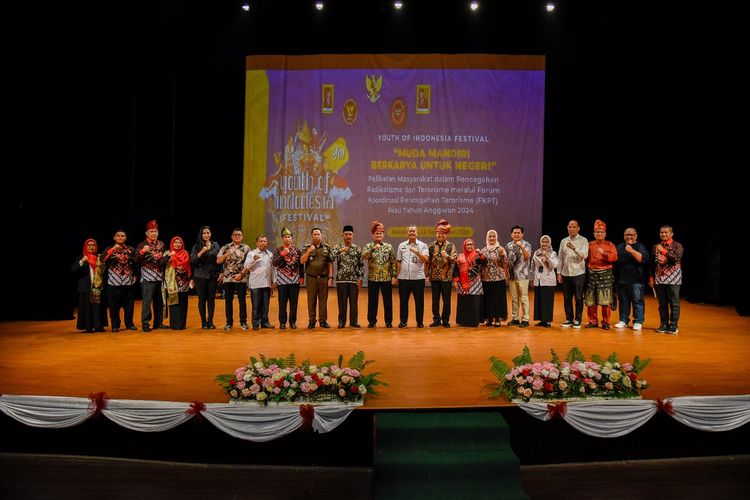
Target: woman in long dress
467 276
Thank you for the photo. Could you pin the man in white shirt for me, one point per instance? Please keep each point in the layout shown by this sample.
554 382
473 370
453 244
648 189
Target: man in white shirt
571 272
410 259
260 281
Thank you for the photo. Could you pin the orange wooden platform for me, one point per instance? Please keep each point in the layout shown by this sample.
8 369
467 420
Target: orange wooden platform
426 368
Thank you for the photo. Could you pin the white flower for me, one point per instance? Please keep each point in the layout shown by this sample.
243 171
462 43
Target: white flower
362 389
258 365
313 369
247 377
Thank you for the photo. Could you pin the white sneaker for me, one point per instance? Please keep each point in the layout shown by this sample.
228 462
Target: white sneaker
621 324
637 327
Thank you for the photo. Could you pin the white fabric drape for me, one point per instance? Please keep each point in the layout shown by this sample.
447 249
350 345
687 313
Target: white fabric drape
614 418
250 422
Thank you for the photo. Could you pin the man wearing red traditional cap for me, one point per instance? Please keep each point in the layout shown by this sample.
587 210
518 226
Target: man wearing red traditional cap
381 274
442 255
148 254
601 279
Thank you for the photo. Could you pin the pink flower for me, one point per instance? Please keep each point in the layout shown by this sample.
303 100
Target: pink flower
241 384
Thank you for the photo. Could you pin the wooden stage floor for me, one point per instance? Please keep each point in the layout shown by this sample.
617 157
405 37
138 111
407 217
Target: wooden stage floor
426 368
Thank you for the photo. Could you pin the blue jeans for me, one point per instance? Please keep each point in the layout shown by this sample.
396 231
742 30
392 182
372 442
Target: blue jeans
631 294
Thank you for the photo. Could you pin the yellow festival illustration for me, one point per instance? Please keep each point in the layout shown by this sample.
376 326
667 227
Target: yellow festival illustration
306 190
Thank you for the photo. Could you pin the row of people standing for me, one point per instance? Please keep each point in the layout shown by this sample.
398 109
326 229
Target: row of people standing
479 276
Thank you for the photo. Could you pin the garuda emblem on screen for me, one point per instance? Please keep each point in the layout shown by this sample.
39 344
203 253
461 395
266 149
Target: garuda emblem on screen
373 85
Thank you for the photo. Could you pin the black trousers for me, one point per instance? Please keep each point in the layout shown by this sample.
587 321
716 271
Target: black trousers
348 294
406 288
178 312
385 289
206 288
229 290
441 289
573 288
121 297
151 294
260 298
288 294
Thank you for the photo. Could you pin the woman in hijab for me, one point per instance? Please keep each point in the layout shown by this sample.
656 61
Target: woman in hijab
495 303
177 282
467 275
544 263
88 268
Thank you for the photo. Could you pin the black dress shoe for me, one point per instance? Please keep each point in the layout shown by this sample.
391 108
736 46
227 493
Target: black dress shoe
420 325
356 325
256 327
435 324
341 325
115 329
311 325
293 326
132 327
145 327
446 325
162 326
268 325
389 325
325 325
370 325
211 326
282 326
402 325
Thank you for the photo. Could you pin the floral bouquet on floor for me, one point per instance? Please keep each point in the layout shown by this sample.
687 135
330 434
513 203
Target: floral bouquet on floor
283 380
573 378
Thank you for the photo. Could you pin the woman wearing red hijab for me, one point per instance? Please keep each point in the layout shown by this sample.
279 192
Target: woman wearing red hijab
88 269
467 275
177 283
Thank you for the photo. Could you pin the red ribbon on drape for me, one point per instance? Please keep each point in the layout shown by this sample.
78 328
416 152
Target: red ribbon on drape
665 406
196 407
556 410
98 401
306 412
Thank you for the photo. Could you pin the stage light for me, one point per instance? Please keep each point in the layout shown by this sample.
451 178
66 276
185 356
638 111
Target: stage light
474 5
319 5
550 6
397 5
246 7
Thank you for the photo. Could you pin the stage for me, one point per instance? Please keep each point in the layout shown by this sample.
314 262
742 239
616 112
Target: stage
426 368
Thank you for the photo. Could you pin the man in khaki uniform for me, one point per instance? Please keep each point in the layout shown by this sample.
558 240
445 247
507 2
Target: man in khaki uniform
318 261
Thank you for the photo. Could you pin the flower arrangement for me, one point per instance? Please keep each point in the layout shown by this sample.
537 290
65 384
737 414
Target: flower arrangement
265 380
572 378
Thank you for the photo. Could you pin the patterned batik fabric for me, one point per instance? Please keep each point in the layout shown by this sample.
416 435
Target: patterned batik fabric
287 266
381 262
441 269
599 287
350 267
235 260
492 271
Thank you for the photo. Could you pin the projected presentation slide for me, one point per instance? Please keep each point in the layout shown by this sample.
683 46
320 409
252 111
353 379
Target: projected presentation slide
405 139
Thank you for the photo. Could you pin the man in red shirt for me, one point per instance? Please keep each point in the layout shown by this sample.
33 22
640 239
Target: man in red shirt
601 259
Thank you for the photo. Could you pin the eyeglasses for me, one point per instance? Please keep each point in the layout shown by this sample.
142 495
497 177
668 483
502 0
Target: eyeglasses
631 235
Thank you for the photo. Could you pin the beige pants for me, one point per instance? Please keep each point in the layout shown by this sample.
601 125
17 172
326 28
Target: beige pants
519 292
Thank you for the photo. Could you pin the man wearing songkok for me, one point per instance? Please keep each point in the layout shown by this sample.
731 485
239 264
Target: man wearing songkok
442 255
410 260
519 259
666 278
318 261
350 269
602 256
148 254
381 274
286 261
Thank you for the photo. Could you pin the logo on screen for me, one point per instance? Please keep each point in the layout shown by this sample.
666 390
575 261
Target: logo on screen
373 85
398 112
350 111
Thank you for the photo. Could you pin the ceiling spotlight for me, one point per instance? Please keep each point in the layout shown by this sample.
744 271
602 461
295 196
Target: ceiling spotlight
473 5
550 6
319 5
398 4
246 7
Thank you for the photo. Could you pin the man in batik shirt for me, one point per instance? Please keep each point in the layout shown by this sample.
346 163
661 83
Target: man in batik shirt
120 261
286 261
381 274
148 254
350 269
442 256
666 279
232 256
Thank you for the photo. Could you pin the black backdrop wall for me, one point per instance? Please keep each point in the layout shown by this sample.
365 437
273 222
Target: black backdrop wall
123 113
